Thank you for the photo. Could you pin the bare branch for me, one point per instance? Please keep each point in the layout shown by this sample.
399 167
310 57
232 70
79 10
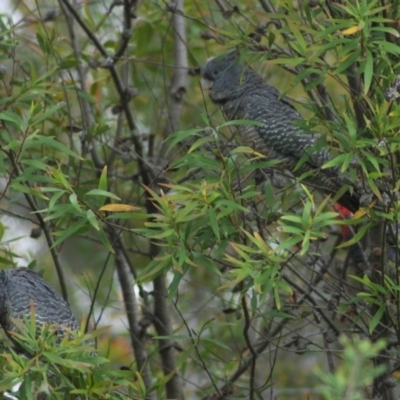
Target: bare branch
180 75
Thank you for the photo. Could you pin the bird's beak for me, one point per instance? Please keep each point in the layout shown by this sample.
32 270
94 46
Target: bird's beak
206 84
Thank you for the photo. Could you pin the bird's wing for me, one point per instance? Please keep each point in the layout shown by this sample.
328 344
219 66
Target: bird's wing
279 133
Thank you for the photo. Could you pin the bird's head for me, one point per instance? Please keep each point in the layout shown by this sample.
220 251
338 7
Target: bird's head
227 77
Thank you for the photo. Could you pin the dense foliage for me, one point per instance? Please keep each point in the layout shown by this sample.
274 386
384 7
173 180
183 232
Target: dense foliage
231 278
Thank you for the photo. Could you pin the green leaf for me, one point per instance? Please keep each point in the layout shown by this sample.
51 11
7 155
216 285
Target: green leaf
269 194
292 61
345 63
154 268
387 46
100 192
45 116
37 164
376 318
306 243
103 179
277 298
130 215
35 141
288 243
69 63
357 237
214 223
368 71
202 260
1 231
285 286
200 142
293 218
10 117
301 48
105 241
55 198
43 42
174 285
335 162
80 226
73 198
55 359
92 219
164 234
241 122
61 179
26 189
293 229
181 136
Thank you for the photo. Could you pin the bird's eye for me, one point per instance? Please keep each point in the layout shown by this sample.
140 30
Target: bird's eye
215 72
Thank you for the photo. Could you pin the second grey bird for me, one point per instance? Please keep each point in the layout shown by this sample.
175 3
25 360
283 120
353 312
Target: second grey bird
243 94
22 289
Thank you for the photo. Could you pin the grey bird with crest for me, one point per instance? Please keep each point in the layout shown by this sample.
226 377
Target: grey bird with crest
243 94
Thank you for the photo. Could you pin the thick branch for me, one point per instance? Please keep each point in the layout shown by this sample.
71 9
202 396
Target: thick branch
162 323
131 306
180 76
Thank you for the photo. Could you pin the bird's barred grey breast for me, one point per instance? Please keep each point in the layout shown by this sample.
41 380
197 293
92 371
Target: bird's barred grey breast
20 290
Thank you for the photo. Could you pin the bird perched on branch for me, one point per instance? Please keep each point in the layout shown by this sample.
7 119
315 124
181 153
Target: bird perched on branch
243 94
23 290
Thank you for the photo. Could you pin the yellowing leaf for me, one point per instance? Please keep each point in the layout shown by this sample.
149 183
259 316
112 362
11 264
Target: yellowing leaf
119 208
353 29
396 374
350 31
261 241
360 213
247 150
